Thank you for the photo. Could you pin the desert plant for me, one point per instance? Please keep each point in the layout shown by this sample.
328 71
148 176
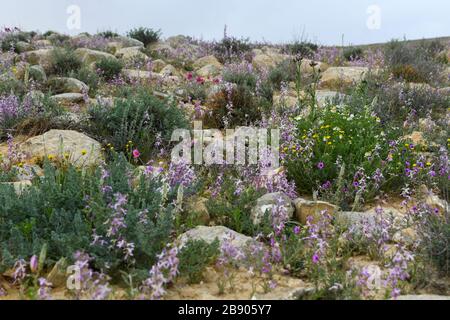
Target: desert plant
64 61
140 118
302 48
145 35
109 68
194 257
353 53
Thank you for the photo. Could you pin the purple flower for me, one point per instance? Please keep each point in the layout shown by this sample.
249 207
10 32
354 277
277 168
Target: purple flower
315 258
320 165
34 264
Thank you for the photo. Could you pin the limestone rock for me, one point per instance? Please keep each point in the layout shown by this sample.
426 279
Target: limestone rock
42 57
198 205
82 150
269 201
208 60
210 234
89 56
67 85
209 71
68 98
131 54
334 77
306 208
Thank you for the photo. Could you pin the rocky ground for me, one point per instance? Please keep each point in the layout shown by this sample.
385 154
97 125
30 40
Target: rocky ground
85 124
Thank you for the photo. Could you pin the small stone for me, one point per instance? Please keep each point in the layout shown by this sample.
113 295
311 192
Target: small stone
306 208
267 202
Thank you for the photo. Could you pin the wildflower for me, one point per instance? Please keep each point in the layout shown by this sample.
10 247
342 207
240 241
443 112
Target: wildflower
315 258
136 153
44 289
296 229
50 157
83 152
320 165
34 264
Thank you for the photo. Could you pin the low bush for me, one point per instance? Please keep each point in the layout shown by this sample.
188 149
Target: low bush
302 48
353 53
194 257
139 117
235 106
64 61
347 155
145 35
230 49
70 210
109 68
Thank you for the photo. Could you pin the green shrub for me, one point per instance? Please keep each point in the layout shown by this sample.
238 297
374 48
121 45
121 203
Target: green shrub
234 211
353 53
194 257
421 64
140 118
237 106
342 153
109 68
10 40
108 34
145 35
89 77
302 48
68 207
64 61
393 102
230 48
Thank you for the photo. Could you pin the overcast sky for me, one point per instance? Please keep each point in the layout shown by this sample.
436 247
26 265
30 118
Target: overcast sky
322 21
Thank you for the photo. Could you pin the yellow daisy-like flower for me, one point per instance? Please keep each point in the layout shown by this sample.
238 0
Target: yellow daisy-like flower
66 155
50 157
83 152
429 164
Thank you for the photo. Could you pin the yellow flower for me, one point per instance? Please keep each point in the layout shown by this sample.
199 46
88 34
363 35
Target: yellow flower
83 152
20 165
66 155
429 164
50 157
407 145
330 143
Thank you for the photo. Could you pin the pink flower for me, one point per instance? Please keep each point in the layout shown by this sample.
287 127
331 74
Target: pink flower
136 153
320 165
189 76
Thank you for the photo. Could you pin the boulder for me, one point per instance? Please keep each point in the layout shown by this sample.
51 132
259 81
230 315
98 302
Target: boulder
42 57
43 44
19 186
82 150
68 98
158 65
416 138
265 60
209 71
169 70
210 234
89 56
208 60
323 96
269 201
131 54
306 208
335 77
67 85
22 46
37 73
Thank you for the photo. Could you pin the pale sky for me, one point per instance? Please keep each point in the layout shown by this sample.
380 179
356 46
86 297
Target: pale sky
322 21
